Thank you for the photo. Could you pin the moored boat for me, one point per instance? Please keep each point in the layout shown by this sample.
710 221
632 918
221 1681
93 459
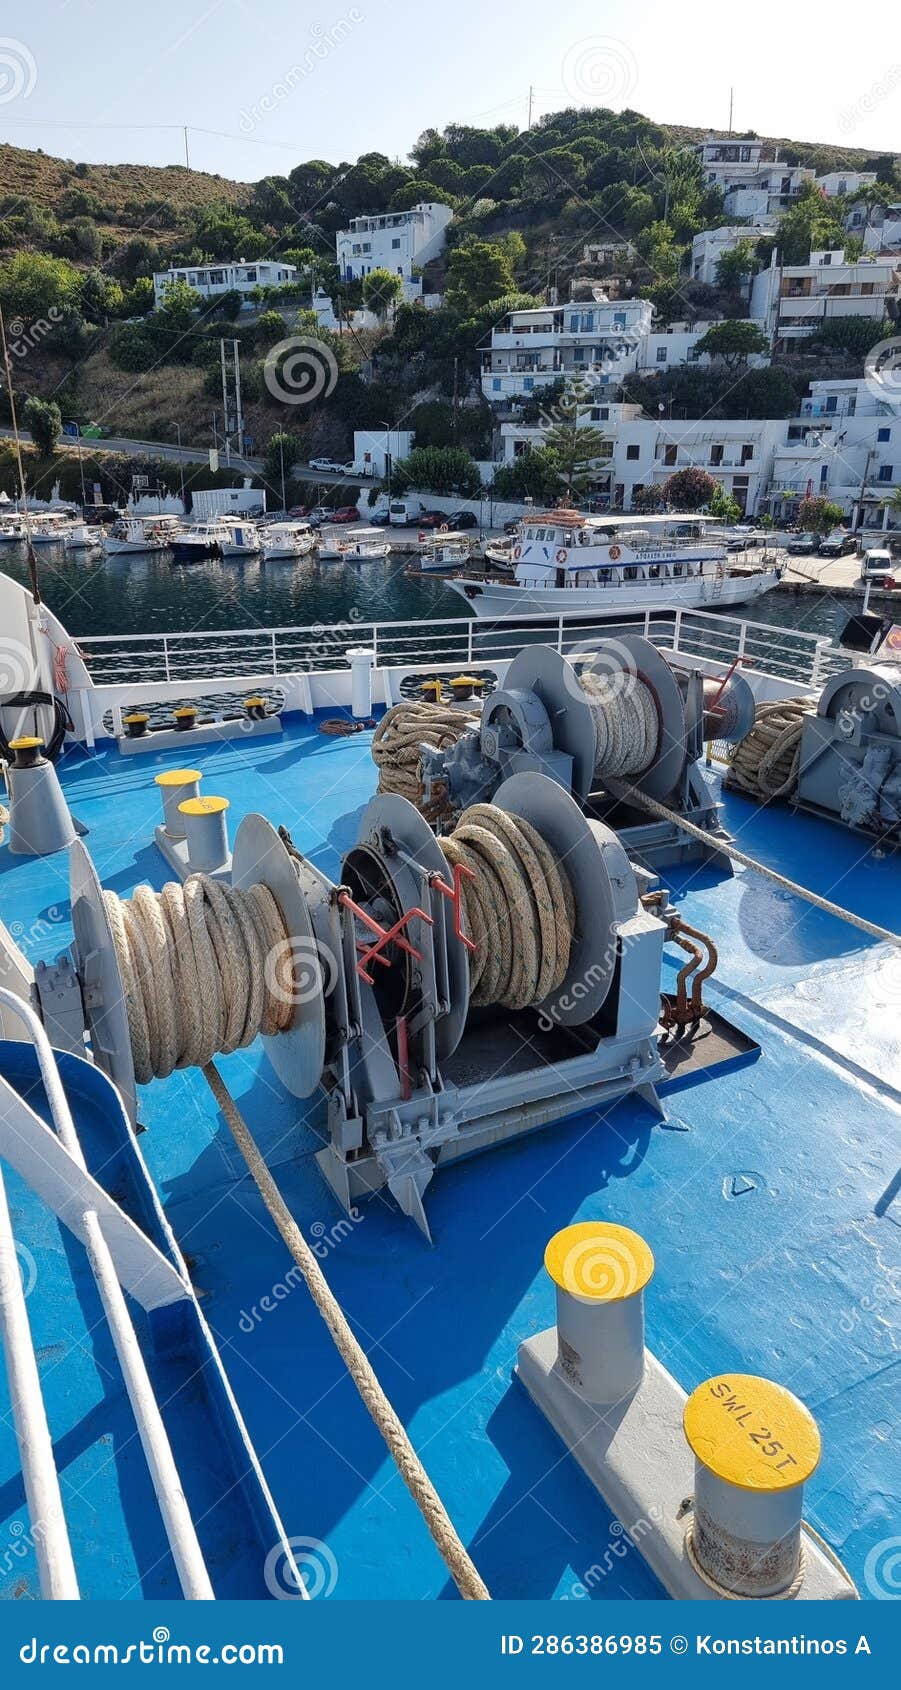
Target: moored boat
283 542
353 545
141 534
567 563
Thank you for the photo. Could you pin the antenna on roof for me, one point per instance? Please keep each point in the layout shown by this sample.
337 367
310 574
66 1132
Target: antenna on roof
731 94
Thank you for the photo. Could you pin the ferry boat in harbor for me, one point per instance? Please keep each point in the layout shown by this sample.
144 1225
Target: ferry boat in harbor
684 1088
570 564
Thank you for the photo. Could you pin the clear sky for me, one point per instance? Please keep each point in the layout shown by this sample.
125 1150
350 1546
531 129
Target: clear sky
285 81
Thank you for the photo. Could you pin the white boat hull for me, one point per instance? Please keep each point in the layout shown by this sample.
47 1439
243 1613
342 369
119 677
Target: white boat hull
116 548
497 598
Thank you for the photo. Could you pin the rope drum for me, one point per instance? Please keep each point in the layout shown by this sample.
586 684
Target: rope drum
205 968
519 908
626 724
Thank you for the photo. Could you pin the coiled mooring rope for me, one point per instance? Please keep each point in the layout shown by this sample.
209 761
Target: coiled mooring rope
766 762
626 724
519 908
402 731
205 967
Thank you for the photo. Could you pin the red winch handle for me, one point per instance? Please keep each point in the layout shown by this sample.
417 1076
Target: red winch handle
461 873
724 683
384 936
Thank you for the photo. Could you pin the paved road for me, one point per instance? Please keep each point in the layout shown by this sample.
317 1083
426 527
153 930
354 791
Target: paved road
181 455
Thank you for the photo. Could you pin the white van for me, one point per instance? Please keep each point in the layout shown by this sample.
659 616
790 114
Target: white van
878 564
403 513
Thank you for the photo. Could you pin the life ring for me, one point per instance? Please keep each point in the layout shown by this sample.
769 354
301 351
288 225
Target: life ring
562 554
517 552
443 528
615 554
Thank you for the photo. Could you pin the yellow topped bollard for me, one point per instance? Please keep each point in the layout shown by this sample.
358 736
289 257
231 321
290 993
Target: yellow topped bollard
754 1446
176 785
206 832
600 1271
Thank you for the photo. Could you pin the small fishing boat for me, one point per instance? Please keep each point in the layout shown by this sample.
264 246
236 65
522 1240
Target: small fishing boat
355 545
141 534
203 540
243 539
84 537
284 542
443 552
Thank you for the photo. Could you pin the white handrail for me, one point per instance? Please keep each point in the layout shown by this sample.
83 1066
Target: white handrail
49 1533
180 1530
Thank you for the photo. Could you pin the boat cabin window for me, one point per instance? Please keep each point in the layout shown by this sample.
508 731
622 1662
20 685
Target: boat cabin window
654 572
677 570
630 573
584 538
605 575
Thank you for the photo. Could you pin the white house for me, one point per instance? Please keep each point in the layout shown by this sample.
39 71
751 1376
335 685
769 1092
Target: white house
376 450
643 452
529 350
881 229
728 159
708 247
396 241
845 445
794 300
838 182
211 279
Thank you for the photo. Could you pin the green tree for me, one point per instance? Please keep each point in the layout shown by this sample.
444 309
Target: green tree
733 268
533 474
44 422
270 328
689 489
478 271
854 335
282 453
819 516
180 306
381 289
811 223
33 286
575 444
733 342
438 469
723 505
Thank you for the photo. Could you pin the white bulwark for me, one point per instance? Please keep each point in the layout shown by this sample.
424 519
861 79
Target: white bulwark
397 241
211 279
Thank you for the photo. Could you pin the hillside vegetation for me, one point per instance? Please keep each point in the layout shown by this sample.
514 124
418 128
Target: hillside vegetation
79 243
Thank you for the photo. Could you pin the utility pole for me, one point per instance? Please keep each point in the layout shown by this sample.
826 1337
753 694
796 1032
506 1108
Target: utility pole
531 91
281 459
731 94
187 154
454 411
225 415
860 497
239 414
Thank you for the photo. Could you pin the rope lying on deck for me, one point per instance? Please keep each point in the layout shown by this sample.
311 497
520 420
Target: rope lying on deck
728 849
519 909
401 732
765 763
459 1564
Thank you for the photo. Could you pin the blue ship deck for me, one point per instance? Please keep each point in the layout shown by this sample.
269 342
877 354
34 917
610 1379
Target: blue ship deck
768 1197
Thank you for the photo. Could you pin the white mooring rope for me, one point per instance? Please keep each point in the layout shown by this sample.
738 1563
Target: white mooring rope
626 725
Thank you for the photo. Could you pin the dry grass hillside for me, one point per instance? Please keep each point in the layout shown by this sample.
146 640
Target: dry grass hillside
37 177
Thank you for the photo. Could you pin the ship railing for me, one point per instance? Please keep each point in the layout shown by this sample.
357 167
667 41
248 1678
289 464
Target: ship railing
122 1258
167 660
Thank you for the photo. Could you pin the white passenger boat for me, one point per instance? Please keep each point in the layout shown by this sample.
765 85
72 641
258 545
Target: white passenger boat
444 551
50 528
569 563
243 539
356 545
286 541
141 534
12 531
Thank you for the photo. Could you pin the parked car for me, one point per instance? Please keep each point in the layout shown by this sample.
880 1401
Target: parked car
432 519
803 545
837 544
299 510
345 513
329 466
462 519
318 515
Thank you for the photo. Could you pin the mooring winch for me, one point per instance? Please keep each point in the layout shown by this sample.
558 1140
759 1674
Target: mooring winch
447 993
850 754
610 726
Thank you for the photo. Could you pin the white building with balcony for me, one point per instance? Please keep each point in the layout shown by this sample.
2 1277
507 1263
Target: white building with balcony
845 445
600 340
398 241
727 159
836 183
880 227
794 300
708 247
769 191
211 279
